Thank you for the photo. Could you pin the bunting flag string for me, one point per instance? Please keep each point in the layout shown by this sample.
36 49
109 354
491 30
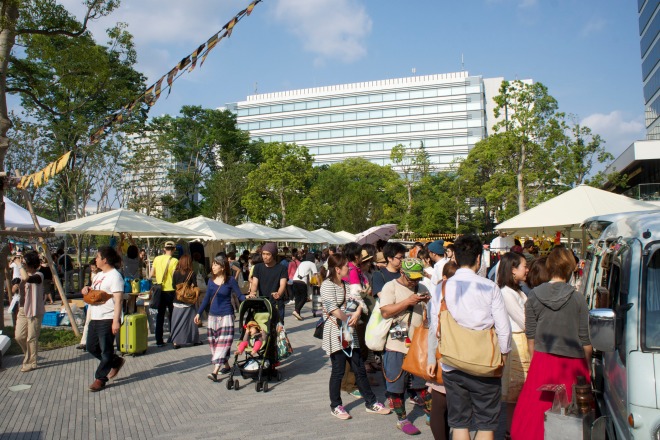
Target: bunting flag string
42 176
187 63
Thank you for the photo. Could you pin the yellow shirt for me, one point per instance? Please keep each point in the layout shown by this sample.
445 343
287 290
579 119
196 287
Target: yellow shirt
159 268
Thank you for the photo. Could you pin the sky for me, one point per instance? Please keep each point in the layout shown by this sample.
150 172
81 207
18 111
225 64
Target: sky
585 51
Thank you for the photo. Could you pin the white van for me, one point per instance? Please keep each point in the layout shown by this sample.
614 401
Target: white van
622 286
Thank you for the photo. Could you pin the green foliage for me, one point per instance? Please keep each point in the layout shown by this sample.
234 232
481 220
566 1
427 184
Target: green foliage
49 339
206 150
414 165
278 182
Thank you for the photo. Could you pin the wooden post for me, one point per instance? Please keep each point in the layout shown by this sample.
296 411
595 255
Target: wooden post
51 263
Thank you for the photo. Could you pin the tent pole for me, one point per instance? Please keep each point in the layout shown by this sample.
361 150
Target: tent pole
51 263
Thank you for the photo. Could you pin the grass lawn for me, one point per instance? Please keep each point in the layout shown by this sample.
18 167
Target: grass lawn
50 338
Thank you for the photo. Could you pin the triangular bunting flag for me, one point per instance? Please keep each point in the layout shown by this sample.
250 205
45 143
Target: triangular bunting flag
195 54
249 9
170 79
158 85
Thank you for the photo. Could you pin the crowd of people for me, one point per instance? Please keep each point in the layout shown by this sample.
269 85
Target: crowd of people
527 303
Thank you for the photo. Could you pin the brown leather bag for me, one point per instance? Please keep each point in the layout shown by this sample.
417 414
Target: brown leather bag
96 297
415 361
186 292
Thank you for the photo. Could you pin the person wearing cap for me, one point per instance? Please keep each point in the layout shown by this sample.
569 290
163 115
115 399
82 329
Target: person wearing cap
162 269
403 300
394 253
301 282
437 254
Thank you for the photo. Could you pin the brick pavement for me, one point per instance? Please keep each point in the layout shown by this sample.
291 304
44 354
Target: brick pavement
165 394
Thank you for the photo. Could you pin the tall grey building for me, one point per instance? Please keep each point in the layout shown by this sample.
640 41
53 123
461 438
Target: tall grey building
448 113
649 30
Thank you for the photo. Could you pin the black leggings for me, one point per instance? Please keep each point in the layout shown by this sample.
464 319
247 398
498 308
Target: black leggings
299 294
439 422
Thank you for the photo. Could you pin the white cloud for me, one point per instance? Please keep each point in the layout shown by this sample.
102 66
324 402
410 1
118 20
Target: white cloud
593 26
332 29
618 130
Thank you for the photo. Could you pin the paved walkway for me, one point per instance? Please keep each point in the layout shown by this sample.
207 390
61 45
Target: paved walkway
165 394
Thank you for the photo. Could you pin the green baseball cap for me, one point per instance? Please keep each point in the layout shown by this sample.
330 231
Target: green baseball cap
413 268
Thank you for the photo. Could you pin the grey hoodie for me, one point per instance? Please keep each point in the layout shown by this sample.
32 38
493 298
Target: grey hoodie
556 318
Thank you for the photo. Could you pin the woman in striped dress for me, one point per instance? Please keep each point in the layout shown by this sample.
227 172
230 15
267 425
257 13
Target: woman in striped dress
220 326
333 298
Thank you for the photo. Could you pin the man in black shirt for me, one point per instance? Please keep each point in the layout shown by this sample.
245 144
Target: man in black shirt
394 252
269 280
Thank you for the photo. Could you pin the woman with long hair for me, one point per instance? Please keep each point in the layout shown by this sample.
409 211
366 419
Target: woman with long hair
184 331
512 272
220 325
556 326
334 297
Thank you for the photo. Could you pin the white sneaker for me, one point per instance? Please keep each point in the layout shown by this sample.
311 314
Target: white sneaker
290 303
340 413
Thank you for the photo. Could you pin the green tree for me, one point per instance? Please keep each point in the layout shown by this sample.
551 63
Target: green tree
201 142
414 164
279 181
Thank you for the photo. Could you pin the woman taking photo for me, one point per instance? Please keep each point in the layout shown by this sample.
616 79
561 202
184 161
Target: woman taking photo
556 326
334 298
220 325
184 331
512 272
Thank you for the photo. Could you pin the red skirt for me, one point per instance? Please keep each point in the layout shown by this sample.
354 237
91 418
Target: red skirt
545 369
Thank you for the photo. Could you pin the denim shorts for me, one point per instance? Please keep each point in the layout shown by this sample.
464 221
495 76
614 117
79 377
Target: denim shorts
392 362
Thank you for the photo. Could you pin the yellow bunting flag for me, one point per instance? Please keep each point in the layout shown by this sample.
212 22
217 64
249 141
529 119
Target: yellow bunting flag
229 26
170 79
194 56
249 9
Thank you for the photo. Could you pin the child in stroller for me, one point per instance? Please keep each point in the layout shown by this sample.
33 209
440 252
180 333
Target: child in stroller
257 341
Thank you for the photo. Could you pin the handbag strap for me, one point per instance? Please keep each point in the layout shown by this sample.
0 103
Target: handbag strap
188 277
411 310
339 306
167 268
442 302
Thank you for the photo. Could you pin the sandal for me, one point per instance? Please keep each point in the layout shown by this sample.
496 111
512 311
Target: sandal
213 377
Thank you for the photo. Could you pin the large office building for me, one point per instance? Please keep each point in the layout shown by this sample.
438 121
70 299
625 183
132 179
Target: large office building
447 113
649 33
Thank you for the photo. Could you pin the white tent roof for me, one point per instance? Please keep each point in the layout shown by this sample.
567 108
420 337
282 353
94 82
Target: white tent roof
267 233
310 237
123 220
20 218
568 210
346 235
216 230
331 237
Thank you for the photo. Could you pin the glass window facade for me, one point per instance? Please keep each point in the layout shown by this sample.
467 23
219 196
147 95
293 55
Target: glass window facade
649 31
444 112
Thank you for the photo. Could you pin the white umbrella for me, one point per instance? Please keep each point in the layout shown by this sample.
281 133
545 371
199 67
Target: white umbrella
217 230
346 235
310 237
126 221
330 237
267 233
373 234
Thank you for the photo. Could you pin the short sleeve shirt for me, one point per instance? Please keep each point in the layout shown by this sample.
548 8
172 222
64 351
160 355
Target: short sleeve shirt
269 278
304 271
394 292
110 282
159 267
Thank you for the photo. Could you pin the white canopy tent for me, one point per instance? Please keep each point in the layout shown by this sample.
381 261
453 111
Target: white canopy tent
331 237
346 235
567 211
270 234
126 221
210 229
20 218
310 237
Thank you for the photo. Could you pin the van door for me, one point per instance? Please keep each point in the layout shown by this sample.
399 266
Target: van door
614 363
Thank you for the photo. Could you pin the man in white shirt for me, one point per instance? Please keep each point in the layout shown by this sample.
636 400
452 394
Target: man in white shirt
437 253
475 303
301 278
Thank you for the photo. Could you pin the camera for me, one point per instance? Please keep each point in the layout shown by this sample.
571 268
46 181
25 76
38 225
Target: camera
398 332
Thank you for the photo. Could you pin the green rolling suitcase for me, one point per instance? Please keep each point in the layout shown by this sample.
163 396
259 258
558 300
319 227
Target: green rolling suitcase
133 334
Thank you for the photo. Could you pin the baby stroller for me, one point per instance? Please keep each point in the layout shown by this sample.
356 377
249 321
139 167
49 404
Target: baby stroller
259 366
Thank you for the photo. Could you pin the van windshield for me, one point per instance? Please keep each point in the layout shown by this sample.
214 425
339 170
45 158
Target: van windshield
652 309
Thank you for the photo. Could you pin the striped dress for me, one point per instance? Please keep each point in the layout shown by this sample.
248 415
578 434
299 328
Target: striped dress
332 296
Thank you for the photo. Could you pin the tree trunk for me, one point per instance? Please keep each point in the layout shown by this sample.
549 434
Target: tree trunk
520 180
410 198
283 207
7 38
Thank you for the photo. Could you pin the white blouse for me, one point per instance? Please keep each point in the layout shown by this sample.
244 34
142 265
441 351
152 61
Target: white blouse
515 307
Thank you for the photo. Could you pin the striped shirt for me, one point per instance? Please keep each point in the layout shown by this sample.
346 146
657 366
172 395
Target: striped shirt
332 296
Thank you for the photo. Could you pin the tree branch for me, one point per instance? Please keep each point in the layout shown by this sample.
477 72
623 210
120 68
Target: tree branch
34 98
65 32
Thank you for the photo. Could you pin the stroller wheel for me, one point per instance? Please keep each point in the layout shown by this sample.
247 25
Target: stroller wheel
230 384
265 389
236 385
257 386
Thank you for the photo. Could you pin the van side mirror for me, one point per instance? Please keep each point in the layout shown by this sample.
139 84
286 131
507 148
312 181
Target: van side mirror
602 329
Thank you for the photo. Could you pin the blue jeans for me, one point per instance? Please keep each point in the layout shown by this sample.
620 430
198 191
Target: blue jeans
101 345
